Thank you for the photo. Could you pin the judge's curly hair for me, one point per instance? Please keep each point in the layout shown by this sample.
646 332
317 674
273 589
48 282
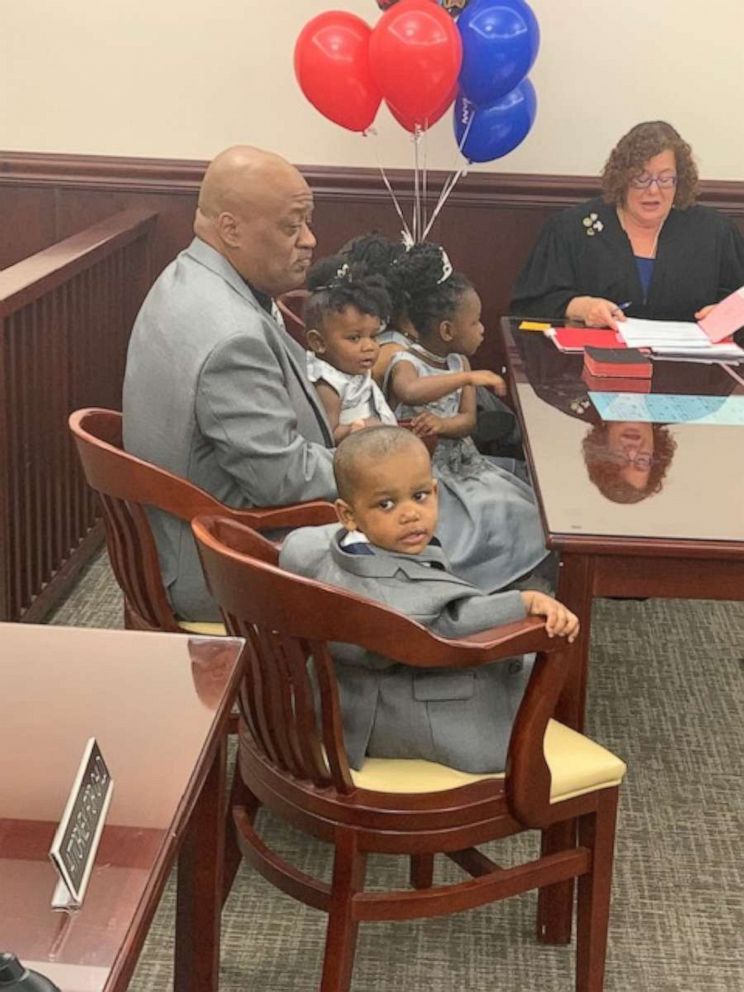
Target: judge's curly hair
336 284
635 148
429 298
606 473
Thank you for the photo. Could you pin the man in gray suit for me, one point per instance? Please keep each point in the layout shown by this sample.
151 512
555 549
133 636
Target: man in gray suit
388 507
215 389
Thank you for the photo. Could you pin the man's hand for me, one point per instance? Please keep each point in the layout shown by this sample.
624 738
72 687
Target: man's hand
558 620
427 425
702 314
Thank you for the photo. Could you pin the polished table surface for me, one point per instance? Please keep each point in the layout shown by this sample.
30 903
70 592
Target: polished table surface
700 496
157 705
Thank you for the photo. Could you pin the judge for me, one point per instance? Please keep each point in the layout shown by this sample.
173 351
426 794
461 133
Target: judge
642 249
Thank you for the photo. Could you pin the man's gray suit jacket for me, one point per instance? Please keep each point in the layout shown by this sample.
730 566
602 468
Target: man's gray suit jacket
216 392
461 718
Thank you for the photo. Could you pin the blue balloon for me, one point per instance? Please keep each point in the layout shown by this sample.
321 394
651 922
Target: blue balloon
494 131
500 39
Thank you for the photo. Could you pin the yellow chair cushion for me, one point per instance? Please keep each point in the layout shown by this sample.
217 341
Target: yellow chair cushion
577 765
205 629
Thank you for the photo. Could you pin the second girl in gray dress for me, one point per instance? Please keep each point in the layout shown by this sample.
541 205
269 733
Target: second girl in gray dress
490 525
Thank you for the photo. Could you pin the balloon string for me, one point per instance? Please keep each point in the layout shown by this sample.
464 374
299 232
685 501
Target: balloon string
416 217
444 196
406 230
426 179
449 183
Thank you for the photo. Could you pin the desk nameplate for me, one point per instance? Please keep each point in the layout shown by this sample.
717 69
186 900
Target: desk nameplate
75 843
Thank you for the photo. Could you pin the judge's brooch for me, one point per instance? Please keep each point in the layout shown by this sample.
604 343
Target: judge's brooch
592 224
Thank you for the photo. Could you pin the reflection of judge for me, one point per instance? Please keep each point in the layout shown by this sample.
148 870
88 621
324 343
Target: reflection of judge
626 461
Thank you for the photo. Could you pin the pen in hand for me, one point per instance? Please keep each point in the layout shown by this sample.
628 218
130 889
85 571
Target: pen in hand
622 307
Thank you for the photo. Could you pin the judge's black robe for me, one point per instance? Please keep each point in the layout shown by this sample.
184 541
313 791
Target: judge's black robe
699 260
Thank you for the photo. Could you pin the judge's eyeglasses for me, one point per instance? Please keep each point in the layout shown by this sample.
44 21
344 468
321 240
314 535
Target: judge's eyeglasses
645 180
641 460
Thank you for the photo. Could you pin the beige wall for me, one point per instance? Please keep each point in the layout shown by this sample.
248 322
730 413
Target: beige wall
184 79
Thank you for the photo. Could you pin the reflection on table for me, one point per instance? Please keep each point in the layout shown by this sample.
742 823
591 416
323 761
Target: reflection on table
626 478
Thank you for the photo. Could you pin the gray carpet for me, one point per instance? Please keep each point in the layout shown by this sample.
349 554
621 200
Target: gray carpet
667 694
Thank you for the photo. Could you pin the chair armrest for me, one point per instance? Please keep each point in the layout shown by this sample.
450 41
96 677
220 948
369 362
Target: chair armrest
487 647
519 637
311 514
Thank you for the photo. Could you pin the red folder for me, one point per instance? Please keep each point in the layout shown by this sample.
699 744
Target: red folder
577 338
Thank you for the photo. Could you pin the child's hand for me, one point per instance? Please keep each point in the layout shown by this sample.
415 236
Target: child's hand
427 425
558 619
483 377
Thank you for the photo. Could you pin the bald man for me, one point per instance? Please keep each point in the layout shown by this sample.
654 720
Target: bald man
215 389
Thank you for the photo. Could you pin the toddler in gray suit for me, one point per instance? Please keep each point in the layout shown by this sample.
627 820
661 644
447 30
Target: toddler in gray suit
386 551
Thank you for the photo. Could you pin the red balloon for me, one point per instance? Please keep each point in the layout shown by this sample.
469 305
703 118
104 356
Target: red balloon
415 54
332 67
411 124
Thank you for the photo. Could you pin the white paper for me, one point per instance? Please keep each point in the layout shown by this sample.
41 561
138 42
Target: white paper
676 338
639 333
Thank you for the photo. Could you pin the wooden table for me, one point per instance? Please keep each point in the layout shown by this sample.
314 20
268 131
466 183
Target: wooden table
621 532
158 704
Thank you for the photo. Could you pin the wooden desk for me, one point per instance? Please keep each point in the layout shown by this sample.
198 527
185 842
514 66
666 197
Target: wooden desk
684 540
158 705
679 534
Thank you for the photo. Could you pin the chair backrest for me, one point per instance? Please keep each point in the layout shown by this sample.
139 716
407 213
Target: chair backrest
292 306
289 620
126 485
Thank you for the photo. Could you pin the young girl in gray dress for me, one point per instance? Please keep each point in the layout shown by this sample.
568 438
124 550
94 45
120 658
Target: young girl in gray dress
343 317
492 531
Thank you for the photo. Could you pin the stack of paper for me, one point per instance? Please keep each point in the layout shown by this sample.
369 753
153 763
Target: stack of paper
677 339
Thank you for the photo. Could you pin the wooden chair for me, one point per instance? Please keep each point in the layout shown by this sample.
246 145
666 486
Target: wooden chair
126 485
292 307
295 764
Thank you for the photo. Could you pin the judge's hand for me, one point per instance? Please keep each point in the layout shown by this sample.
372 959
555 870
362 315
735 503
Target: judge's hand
595 311
702 314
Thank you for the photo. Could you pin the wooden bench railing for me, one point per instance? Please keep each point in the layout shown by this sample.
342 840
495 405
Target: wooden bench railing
65 318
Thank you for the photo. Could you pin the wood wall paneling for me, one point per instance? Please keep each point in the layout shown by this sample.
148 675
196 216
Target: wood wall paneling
65 318
488 226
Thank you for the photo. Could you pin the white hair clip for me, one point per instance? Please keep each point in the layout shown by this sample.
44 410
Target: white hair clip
447 269
343 273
